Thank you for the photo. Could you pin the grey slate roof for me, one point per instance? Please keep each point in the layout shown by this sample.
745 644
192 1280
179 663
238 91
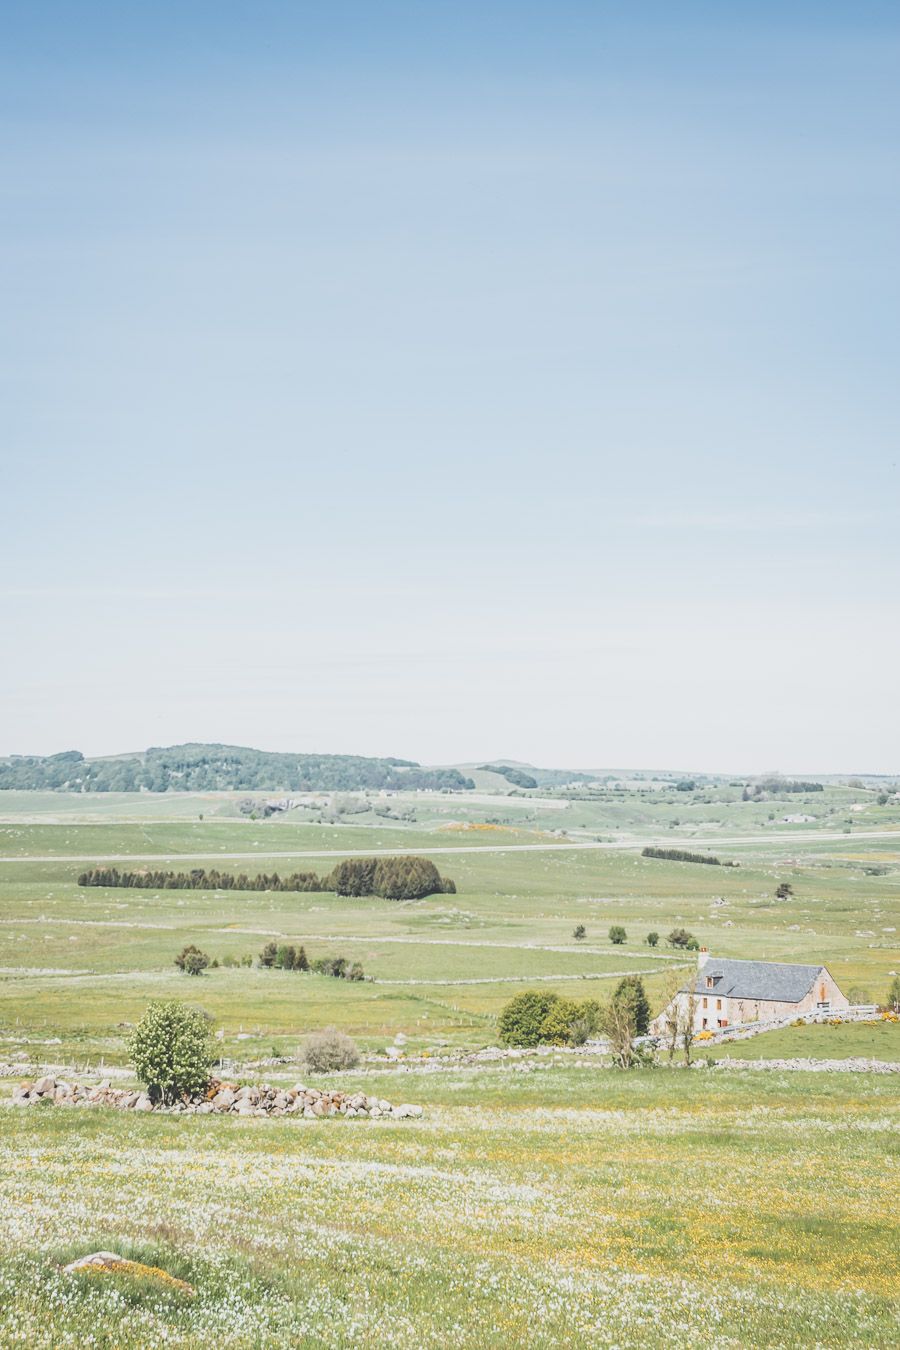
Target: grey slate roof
756 980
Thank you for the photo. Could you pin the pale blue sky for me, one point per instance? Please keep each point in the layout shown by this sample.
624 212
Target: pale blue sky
453 381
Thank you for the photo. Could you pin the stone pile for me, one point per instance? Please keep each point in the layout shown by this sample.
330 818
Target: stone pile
220 1098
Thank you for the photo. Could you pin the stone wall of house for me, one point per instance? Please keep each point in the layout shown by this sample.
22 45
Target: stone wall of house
735 1012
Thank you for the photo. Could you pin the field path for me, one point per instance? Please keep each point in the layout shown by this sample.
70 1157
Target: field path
561 846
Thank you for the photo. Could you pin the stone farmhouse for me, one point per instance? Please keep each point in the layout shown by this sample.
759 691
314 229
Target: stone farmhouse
727 993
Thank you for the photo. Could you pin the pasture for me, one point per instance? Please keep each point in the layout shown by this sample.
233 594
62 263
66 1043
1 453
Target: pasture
558 1206
538 1202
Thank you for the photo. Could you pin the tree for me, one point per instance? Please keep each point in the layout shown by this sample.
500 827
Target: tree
522 1019
171 1050
894 994
617 934
631 990
285 957
619 1023
680 937
269 954
784 890
191 960
301 960
652 939
579 932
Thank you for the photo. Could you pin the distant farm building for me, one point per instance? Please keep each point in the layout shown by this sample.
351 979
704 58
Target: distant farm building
727 993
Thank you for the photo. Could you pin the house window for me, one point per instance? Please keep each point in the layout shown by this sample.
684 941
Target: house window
705 1023
718 1005
706 1003
709 982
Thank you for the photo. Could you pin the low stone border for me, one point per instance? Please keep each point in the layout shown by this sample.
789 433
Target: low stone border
220 1099
856 1065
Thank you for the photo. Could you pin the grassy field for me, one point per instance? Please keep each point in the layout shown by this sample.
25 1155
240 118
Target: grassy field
535 1204
79 964
564 1206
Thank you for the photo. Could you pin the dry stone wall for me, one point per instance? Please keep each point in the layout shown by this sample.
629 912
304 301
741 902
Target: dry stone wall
220 1098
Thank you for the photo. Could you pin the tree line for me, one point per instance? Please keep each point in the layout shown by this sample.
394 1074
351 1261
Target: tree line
682 855
393 878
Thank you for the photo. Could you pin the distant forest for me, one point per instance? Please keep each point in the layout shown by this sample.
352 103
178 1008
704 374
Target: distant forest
209 768
400 878
514 776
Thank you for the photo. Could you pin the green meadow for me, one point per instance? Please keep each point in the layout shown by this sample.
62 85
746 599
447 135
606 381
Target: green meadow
79 964
561 1206
538 1202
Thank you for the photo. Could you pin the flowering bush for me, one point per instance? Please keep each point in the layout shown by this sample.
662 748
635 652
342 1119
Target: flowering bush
171 1050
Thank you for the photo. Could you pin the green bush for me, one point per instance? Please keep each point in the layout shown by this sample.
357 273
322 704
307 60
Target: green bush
522 1019
652 939
329 1050
617 934
579 932
171 1050
191 960
680 937
556 1027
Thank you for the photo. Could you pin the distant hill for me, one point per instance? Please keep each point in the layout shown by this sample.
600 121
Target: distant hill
208 768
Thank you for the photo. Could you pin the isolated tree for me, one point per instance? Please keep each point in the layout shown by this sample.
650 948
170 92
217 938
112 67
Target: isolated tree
784 890
652 939
191 960
631 990
171 1050
680 937
617 934
579 932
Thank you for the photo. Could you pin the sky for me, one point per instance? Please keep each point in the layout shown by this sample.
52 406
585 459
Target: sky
453 381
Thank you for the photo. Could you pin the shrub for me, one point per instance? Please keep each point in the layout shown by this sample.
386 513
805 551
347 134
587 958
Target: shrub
522 1019
329 1050
269 954
556 1028
652 939
680 937
579 932
784 890
285 957
191 960
171 1050
617 934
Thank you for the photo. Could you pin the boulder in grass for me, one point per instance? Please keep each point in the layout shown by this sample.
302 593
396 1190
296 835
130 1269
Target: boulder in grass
108 1264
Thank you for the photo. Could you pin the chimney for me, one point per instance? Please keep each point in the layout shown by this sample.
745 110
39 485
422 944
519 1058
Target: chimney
702 958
